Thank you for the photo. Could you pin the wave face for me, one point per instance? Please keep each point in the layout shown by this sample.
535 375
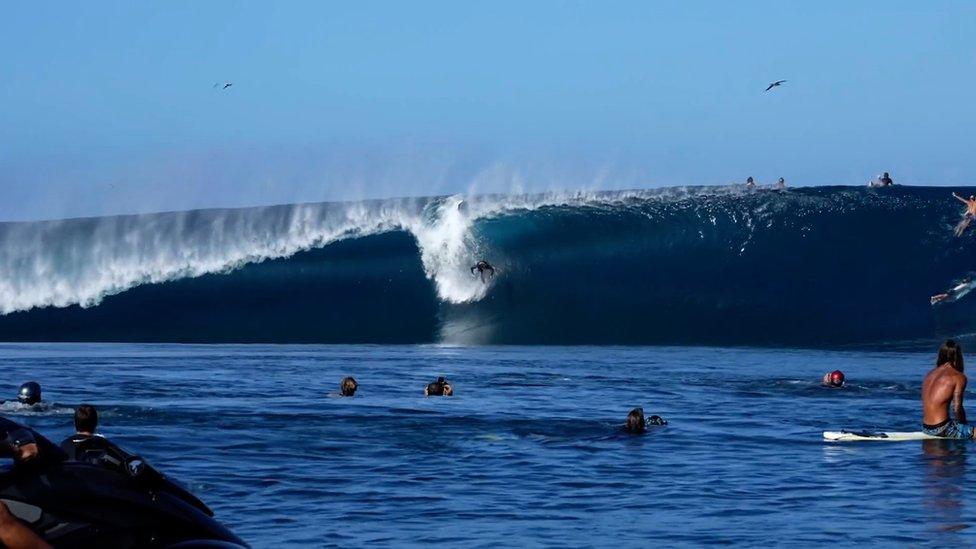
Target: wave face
812 267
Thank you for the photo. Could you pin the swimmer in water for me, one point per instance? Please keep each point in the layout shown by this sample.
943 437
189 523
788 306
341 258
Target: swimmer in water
834 380
348 386
441 387
637 424
750 184
29 393
781 184
483 268
886 180
968 216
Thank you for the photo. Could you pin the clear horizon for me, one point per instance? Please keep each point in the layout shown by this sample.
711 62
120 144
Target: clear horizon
112 108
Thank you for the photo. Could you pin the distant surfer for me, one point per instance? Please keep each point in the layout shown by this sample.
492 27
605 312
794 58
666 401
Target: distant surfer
484 269
968 215
781 184
883 181
441 387
962 288
348 386
834 379
945 384
750 184
637 424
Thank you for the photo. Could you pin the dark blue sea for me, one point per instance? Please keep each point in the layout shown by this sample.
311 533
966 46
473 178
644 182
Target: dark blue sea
529 452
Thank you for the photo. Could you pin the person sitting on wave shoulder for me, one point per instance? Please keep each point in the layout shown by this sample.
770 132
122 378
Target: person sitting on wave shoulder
750 184
834 380
636 424
348 386
483 268
886 180
968 216
441 387
946 384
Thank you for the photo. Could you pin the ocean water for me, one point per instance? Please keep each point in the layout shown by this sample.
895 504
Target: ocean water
530 451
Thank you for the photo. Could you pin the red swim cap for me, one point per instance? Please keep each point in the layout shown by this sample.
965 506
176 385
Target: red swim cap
837 377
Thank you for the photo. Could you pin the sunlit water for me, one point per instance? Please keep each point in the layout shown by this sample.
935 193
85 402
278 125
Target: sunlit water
529 452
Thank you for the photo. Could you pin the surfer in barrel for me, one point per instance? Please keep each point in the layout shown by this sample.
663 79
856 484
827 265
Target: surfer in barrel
945 384
968 216
484 269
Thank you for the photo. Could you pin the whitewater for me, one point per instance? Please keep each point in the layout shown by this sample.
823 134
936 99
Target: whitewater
722 265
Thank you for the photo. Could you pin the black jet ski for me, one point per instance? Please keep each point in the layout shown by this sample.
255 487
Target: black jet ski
106 501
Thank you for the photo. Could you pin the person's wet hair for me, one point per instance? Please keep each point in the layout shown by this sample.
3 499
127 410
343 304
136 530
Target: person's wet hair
950 352
635 421
348 387
86 419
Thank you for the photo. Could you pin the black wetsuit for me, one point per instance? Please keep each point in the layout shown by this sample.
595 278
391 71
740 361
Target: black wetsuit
47 451
435 389
92 448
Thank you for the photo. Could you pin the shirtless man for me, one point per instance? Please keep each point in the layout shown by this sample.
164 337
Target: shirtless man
944 384
968 216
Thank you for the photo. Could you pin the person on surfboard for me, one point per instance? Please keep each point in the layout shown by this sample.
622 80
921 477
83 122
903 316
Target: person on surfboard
945 384
968 216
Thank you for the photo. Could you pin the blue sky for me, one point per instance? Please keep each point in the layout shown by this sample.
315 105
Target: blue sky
109 107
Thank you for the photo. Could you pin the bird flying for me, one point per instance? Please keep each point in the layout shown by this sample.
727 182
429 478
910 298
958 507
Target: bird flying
774 84
223 86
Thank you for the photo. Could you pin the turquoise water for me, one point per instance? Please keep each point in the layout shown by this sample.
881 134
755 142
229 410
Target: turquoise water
529 452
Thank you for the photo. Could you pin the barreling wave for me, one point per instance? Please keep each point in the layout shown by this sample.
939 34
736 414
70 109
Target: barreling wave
816 266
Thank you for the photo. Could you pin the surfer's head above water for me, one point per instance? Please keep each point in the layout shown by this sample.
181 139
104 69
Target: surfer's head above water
834 379
348 386
29 393
950 353
635 421
441 387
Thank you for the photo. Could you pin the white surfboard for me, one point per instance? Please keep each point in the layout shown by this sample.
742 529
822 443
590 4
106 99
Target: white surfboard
890 436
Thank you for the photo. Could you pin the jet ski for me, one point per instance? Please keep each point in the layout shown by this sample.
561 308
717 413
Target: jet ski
107 501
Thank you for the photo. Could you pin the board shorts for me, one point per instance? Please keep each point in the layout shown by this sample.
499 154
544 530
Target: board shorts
949 428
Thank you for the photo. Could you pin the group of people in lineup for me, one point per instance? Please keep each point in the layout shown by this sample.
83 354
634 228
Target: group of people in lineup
751 184
943 388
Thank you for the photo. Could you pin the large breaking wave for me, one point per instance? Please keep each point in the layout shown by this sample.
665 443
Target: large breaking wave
815 266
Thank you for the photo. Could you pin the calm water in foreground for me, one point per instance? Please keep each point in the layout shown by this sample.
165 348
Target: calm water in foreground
529 452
